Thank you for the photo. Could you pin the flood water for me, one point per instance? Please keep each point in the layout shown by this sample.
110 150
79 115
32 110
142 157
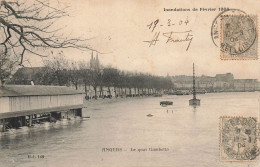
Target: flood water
187 136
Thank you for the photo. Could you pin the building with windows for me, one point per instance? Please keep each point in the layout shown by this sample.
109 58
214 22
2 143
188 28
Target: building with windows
219 83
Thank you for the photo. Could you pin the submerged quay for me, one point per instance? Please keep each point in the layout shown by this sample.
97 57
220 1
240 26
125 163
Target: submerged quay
29 105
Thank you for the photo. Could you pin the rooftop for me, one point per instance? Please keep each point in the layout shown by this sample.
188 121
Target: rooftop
36 90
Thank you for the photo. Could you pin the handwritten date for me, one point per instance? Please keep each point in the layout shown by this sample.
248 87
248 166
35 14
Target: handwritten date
155 23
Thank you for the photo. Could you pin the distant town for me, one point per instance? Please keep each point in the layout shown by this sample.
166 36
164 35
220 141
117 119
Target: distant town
219 83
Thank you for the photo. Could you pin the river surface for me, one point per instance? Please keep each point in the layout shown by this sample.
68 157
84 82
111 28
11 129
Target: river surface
187 136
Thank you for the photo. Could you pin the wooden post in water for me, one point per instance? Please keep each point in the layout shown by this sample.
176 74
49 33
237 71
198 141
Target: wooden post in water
23 121
30 120
3 125
50 117
79 112
35 117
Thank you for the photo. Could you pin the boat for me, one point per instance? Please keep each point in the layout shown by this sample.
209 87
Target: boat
179 92
201 91
165 103
194 101
182 92
149 115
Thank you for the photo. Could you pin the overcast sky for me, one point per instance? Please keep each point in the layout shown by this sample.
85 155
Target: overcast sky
119 29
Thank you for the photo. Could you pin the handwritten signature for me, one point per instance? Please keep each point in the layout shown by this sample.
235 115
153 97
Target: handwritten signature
173 37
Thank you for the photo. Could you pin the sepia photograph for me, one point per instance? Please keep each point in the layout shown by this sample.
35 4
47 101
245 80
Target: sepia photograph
113 83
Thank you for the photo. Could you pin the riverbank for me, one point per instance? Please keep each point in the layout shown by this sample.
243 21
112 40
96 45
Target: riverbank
95 103
100 101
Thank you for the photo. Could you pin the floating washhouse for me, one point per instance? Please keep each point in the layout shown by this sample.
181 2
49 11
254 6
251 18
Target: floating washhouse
25 105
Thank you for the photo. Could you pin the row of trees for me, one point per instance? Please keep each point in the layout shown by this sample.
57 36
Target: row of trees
59 71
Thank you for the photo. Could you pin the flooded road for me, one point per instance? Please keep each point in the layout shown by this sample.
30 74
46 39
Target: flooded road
178 135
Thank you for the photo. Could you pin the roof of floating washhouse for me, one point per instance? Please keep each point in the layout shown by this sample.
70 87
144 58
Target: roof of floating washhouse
36 90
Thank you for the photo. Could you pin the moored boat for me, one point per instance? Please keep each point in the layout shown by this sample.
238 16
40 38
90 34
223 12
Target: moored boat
162 103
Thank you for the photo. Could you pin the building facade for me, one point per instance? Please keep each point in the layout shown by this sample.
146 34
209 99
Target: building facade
219 83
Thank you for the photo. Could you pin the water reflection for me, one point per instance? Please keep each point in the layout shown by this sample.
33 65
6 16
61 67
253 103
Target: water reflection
13 136
194 107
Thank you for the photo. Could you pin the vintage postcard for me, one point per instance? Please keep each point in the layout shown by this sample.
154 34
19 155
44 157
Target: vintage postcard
114 83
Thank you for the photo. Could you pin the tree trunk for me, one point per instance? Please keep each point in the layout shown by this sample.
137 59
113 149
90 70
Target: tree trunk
130 92
121 91
85 86
115 92
2 82
95 89
101 91
109 91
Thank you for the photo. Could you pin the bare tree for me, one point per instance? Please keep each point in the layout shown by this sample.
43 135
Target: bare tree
85 74
74 74
110 78
29 26
59 67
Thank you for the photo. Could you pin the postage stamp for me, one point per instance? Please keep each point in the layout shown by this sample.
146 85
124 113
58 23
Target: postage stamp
238 139
238 37
215 27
